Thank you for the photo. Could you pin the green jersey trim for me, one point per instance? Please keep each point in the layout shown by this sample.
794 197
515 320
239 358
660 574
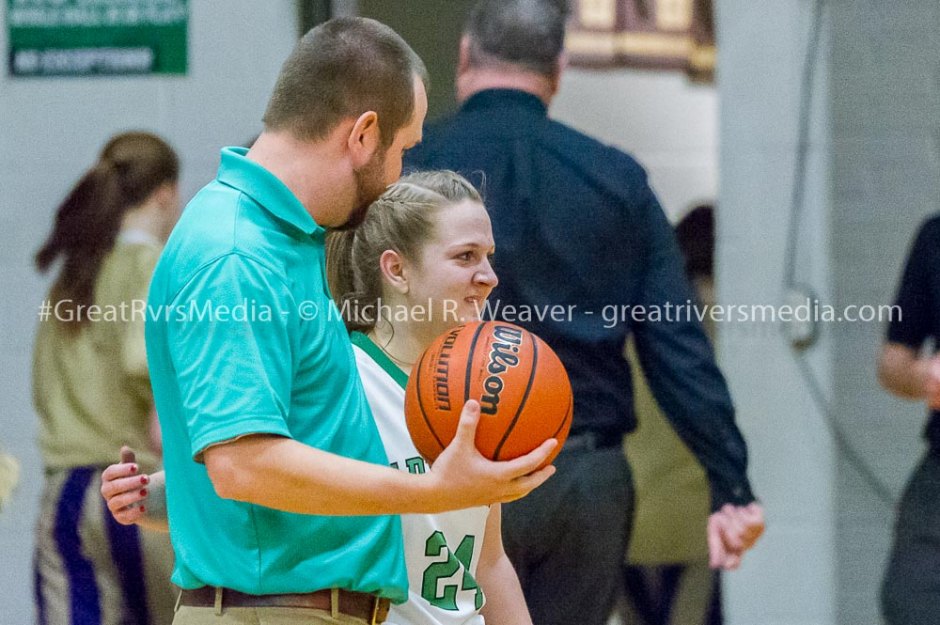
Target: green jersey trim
375 352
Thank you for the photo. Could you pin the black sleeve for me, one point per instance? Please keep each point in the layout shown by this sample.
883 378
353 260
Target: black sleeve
917 309
680 366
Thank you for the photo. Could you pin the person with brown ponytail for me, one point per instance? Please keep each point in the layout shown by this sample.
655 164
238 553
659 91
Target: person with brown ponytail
91 387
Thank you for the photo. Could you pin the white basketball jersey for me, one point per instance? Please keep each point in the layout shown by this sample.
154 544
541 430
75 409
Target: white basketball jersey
441 550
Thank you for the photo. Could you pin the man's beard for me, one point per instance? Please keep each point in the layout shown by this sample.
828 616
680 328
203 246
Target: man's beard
370 184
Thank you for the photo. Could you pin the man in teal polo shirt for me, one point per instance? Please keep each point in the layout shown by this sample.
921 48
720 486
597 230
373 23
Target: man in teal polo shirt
278 488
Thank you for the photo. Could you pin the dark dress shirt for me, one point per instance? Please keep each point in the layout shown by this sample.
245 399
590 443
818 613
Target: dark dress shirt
578 229
919 300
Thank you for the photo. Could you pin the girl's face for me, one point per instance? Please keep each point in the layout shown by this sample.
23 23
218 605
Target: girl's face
452 276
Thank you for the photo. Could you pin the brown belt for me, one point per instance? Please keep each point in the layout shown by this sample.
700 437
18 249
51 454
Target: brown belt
369 608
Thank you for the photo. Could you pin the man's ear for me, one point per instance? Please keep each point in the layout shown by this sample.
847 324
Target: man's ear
364 138
463 55
561 63
392 266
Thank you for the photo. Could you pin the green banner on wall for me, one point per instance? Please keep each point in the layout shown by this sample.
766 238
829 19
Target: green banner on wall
97 37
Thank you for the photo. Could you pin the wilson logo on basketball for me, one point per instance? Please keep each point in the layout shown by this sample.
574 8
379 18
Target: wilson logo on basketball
442 371
503 355
520 384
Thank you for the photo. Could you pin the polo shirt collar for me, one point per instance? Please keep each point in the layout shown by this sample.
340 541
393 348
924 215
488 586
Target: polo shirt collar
247 176
498 98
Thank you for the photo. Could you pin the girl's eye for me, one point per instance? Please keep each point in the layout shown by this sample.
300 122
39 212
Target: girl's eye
466 256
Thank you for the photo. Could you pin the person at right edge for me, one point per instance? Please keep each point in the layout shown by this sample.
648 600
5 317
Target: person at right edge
910 592
578 225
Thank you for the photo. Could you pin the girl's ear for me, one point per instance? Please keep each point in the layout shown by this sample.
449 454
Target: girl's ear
394 273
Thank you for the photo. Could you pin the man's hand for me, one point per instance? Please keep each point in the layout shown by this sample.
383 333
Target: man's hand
931 373
903 372
125 489
732 531
465 478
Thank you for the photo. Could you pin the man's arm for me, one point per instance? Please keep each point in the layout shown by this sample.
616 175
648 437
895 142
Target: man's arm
680 366
505 603
679 363
905 374
901 369
281 473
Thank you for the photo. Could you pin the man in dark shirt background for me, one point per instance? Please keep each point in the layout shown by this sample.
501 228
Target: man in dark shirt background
911 590
576 224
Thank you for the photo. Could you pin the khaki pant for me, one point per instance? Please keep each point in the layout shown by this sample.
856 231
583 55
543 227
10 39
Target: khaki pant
186 615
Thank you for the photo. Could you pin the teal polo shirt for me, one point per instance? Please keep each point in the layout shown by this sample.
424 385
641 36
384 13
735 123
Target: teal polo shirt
243 338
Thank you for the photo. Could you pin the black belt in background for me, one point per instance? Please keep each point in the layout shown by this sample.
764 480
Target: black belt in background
591 441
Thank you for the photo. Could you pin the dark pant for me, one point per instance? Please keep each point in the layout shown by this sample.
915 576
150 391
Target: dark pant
910 594
568 538
670 594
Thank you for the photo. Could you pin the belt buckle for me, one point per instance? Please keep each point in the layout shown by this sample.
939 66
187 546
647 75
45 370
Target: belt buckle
373 619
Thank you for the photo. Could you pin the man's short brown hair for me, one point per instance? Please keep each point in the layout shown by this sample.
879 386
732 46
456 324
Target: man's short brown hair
343 68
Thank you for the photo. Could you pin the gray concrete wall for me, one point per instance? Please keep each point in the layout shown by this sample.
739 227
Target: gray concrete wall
790 578
885 107
872 177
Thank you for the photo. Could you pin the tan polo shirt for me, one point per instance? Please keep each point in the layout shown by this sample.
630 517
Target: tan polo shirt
91 390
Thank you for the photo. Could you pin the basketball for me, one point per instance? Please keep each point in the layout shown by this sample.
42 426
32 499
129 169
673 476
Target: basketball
523 389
